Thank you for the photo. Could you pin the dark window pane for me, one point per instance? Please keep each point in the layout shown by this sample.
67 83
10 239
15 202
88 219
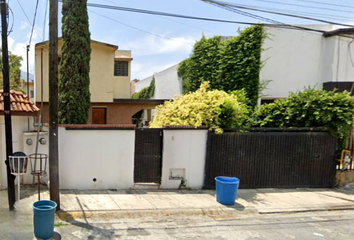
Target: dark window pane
121 68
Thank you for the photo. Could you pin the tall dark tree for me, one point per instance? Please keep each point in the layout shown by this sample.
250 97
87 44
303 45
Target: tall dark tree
74 67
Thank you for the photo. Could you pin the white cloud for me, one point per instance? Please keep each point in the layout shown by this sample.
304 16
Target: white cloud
19 49
24 25
155 45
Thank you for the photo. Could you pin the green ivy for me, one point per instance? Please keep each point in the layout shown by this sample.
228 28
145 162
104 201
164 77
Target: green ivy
146 93
230 65
310 108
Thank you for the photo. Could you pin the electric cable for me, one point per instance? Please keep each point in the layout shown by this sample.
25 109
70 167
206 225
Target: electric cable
304 6
328 4
34 20
303 13
160 36
45 18
13 21
195 18
277 13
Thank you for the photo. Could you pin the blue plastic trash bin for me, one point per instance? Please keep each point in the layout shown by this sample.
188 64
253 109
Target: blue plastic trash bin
43 218
226 190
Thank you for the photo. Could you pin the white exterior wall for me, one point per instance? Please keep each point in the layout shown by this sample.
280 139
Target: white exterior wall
184 156
338 60
143 84
19 125
167 83
292 60
31 149
105 155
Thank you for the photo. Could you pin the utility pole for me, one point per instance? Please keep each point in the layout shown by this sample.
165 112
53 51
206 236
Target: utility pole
28 94
53 103
7 107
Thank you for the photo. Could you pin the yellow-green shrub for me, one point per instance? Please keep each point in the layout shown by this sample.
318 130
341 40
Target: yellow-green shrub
202 107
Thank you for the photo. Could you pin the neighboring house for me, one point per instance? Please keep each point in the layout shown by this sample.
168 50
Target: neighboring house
293 60
109 80
21 109
28 84
167 85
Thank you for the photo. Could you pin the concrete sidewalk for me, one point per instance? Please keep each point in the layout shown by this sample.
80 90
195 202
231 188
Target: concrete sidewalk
77 204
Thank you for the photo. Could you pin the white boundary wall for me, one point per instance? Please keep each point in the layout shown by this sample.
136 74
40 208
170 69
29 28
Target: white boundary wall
108 157
183 158
19 125
104 155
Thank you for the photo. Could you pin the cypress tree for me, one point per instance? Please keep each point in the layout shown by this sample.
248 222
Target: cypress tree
74 66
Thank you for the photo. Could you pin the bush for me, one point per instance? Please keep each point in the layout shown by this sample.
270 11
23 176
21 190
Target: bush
310 108
215 109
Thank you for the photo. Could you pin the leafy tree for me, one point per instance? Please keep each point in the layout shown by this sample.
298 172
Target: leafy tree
230 65
74 67
14 72
310 108
216 109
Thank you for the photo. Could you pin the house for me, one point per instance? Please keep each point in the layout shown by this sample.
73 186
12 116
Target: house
293 59
110 70
22 112
167 85
27 85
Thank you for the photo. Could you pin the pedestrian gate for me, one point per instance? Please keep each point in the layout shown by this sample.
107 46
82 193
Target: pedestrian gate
148 155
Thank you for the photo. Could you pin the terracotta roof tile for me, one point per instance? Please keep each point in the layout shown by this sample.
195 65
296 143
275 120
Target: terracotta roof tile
20 104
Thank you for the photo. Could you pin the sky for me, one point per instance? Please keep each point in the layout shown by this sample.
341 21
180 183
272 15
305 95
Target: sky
159 42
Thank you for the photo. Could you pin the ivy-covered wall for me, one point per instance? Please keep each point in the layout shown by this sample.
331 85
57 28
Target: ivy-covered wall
146 93
230 65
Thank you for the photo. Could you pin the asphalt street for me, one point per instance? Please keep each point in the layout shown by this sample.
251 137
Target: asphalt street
311 225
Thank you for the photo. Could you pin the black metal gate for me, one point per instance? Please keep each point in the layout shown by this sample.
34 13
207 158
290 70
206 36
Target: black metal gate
272 159
148 155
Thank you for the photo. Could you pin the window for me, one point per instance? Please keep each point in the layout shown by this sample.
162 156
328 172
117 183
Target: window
31 94
121 68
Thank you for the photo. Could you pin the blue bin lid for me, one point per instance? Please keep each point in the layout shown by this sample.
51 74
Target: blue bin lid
227 180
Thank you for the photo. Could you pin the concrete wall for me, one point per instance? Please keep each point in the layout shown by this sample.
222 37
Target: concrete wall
107 156
19 125
337 61
183 158
292 60
28 149
167 83
104 159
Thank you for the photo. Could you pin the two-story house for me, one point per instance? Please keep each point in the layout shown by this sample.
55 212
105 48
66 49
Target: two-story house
110 70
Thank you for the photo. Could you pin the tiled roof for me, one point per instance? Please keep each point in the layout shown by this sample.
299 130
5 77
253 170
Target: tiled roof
20 104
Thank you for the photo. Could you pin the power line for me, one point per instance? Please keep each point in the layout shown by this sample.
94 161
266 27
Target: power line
328 4
284 26
160 36
279 25
34 20
304 13
303 6
192 17
156 13
277 13
45 18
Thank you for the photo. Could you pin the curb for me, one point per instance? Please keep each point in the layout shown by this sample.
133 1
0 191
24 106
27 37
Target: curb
221 212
